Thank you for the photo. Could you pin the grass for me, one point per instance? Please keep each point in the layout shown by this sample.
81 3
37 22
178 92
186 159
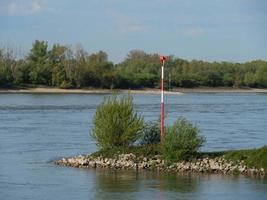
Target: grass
148 151
252 157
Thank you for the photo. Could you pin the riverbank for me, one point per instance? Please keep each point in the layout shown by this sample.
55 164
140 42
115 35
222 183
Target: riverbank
246 162
221 90
82 91
175 91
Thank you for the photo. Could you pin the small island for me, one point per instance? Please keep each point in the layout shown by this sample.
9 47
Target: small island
246 162
126 142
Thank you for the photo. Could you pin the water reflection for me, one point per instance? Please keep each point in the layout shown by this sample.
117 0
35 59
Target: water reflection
120 184
117 181
171 182
155 185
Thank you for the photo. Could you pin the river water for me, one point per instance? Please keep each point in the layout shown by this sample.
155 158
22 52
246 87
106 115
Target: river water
38 128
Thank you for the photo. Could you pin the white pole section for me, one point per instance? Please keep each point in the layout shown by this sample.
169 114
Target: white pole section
162 59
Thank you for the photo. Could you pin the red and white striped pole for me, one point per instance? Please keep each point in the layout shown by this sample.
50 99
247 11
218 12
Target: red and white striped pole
162 60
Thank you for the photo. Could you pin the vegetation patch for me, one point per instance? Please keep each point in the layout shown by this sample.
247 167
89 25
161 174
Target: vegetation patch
254 158
150 133
181 141
147 151
115 123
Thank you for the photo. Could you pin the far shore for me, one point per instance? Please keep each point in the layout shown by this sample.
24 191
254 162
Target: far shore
175 91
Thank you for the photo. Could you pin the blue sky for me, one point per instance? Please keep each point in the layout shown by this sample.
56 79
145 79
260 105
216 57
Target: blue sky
221 30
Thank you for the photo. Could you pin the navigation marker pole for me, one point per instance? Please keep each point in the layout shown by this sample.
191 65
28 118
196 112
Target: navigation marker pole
162 60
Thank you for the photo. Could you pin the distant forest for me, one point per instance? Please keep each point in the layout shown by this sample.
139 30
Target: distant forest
66 67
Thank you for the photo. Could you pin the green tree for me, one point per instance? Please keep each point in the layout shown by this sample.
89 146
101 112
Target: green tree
38 63
249 79
21 73
63 67
7 62
57 59
261 75
99 70
6 77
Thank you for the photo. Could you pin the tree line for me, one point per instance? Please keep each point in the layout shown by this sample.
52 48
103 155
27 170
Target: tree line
66 67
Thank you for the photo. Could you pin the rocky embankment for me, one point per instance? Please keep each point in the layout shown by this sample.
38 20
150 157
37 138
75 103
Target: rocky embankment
129 161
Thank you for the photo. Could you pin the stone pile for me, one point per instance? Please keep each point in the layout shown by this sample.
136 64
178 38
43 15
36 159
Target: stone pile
129 161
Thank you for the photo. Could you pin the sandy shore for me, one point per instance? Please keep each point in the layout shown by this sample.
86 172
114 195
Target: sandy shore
83 91
221 90
177 91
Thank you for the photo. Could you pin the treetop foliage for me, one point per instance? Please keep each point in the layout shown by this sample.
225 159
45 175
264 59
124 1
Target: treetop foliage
67 67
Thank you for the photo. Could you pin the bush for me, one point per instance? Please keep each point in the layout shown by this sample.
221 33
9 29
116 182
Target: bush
181 141
150 133
116 123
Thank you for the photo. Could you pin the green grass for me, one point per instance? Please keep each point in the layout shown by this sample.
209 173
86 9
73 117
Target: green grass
252 157
148 151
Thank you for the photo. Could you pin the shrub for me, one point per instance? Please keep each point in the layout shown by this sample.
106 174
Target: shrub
150 133
181 141
115 122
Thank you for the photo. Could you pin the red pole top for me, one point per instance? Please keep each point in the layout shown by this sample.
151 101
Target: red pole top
162 59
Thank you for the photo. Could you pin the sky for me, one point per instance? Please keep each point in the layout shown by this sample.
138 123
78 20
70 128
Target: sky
211 30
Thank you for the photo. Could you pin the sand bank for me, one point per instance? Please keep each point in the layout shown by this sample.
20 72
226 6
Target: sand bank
176 91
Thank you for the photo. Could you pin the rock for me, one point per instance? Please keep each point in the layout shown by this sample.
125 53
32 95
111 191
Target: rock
92 164
81 161
156 157
142 165
205 160
252 171
201 169
158 161
214 165
186 166
145 159
242 169
128 161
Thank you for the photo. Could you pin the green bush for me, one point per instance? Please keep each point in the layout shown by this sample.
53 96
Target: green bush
116 123
150 133
181 141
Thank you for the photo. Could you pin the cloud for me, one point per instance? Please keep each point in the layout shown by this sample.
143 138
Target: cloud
191 31
128 24
216 19
22 8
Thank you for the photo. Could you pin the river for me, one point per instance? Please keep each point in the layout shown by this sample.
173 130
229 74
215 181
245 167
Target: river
38 128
